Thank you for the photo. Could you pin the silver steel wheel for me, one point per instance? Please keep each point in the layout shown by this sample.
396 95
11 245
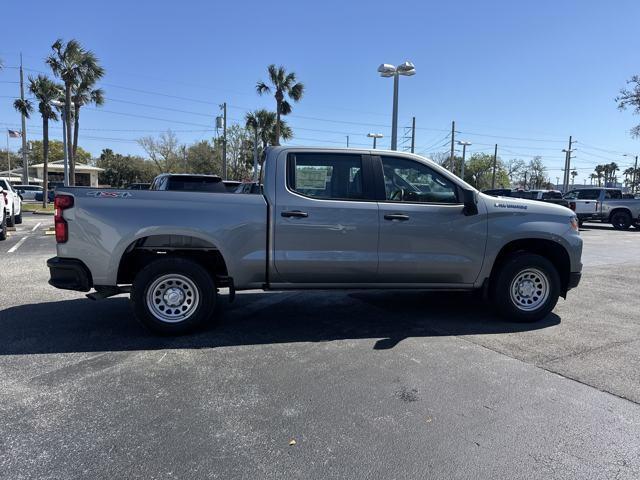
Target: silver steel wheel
529 289
172 298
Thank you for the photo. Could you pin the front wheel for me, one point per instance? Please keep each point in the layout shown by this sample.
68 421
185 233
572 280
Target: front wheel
526 288
173 296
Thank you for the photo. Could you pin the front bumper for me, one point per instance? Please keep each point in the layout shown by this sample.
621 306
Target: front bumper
574 280
69 274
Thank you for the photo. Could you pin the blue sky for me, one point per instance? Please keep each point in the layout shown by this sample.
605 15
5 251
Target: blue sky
525 75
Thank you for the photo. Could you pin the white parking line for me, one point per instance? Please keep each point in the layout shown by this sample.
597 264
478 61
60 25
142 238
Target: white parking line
17 245
34 228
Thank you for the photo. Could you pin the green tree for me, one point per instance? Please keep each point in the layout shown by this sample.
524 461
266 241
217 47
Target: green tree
71 63
630 98
14 160
56 152
122 170
284 84
204 158
479 171
45 91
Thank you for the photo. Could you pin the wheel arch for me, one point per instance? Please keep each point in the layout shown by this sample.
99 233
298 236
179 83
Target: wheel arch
555 252
146 249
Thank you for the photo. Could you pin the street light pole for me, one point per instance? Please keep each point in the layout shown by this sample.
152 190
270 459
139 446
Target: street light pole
375 136
387 70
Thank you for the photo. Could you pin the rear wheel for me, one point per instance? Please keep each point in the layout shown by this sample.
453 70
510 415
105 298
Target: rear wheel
8 220
526 288
173 295
621 220
18 219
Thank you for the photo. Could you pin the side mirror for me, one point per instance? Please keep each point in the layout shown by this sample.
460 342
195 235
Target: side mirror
470 199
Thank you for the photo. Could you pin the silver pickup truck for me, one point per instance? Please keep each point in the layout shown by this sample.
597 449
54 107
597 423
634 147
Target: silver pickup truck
606 205
327 218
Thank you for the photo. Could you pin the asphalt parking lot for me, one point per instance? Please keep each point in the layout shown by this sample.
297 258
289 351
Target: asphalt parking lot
374 385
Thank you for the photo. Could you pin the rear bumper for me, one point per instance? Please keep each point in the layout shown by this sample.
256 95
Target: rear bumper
574 280
69 274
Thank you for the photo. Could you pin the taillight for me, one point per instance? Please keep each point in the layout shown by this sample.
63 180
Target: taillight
61 203
6 200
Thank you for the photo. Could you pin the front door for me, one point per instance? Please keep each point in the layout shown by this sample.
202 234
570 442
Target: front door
326 220
424 236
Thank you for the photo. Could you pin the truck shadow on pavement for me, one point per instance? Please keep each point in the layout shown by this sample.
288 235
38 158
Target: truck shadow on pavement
388 317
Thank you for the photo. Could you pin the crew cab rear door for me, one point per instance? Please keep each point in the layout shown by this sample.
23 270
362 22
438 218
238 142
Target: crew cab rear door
325 219
424 236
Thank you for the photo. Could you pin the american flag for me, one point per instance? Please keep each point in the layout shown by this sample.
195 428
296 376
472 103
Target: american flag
14 133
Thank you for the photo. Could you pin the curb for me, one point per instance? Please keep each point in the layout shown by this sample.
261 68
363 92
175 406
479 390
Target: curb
39 212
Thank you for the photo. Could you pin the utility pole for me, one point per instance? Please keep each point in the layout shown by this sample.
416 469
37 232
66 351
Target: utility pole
635 176
9 157
347 141
453 140
224 141
25 164
558 183
413 135
567 167
495 161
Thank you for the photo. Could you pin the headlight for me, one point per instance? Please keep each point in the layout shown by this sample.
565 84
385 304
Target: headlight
573 221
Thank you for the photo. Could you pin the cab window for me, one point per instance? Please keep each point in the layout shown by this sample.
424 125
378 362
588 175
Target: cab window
328 176
409 181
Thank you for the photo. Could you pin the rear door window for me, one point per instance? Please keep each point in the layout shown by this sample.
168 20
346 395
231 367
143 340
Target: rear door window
329 176
588 194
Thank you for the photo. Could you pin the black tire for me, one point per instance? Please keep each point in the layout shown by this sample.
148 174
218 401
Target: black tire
18 219
580 222
621 220
514 306
193 291
3 226
9 222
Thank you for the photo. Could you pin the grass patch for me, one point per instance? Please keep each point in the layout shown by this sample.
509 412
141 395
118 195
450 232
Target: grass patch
37 207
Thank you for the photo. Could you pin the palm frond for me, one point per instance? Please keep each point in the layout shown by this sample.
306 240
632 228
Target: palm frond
296 92
23 107
262 88
285 108
273 73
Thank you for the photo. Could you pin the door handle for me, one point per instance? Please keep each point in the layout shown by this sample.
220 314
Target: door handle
294 214
396 216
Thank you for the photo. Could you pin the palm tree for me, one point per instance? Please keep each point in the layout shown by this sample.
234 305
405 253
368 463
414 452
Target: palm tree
574 174
627 173
599 172
593 176
45 91
613 168
71 63
284 84
263 123
85 94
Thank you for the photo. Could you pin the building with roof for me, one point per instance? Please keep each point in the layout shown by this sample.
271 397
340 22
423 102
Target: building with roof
86 175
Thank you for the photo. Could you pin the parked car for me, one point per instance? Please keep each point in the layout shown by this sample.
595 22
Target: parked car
328 218
231 185
50 196
249 187
606 205
28 192
14 203
4 202
188 183
138 186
